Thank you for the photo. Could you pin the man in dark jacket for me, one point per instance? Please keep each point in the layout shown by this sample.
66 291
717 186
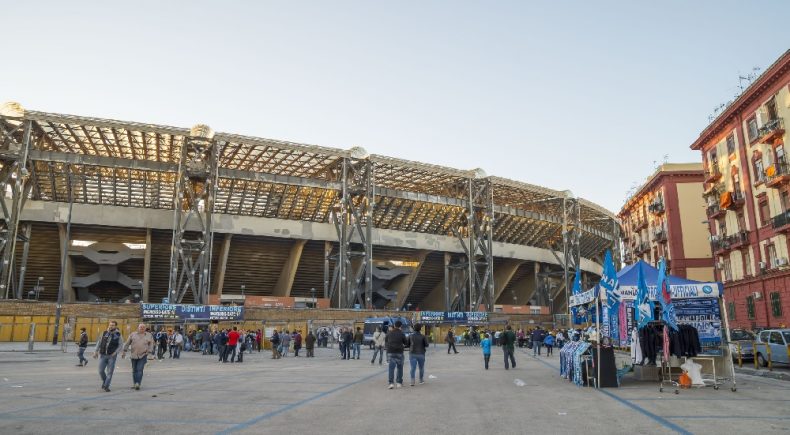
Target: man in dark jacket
348 338
450 339
107 347
395 343
82 346
359 337
537 341
508 339
309 343
418 344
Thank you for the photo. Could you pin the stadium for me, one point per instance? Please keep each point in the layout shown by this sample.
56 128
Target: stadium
113 211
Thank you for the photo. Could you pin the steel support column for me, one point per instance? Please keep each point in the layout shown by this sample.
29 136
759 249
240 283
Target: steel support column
14 188
571 237
195 190
475 233
353 220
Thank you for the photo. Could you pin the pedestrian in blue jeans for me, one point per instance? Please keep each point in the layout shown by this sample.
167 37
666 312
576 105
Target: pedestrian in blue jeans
418 345
359 337
140 344
107 347
83 344
395 343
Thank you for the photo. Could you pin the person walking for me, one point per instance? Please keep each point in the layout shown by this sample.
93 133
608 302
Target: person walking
508 340
275 340
205 341
358 338
177 343
221 338
537 341
395 342
450 339
162 347
141 344
81 346
309 344
285 342
230 347
378 345
107 348
486 346
559 340
417 346
297 343
549 343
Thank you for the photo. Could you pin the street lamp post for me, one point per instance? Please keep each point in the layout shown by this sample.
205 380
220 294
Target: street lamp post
242 289
312 291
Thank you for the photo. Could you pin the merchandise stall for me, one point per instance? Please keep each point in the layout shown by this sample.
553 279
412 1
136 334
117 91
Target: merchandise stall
695 341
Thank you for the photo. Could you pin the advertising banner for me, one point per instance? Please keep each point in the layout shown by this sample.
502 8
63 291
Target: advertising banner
184 312
454 317
705 315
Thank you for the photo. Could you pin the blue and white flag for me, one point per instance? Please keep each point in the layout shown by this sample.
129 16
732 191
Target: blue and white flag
576 318
611 293
667 309
643 306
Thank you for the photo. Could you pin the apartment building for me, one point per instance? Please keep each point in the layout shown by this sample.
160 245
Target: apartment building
747 197
665 218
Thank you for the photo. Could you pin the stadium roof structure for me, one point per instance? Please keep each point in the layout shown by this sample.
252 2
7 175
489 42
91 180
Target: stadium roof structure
108 162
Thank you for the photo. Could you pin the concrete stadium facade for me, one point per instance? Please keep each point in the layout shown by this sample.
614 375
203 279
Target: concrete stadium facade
153 212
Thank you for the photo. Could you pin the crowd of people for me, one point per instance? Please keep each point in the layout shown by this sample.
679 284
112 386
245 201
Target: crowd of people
230 344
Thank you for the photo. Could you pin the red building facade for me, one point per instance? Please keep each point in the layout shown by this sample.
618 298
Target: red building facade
747 194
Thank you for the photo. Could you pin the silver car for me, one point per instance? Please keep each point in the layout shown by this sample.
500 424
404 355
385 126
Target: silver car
778 340
742 339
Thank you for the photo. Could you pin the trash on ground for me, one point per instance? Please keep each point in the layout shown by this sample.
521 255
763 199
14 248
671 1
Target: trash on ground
519 383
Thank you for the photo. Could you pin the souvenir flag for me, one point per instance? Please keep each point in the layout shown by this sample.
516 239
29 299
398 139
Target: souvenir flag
612 294
643 306
668 310
577 288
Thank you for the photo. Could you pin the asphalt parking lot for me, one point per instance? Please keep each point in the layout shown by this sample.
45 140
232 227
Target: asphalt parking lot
43 392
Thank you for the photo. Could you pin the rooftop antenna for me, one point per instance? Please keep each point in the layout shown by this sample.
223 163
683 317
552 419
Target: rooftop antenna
748 78
666 158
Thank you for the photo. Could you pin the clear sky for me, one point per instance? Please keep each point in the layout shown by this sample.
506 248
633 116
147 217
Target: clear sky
579 95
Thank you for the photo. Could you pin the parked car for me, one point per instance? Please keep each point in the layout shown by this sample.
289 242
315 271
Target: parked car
745 339
778 340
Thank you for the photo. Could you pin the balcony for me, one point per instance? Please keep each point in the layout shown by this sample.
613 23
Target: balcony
738 200
773 129
781 222
642 248
719 244
660 235
715 211
714 190
714 173
656 207
639 225
778 174
738 240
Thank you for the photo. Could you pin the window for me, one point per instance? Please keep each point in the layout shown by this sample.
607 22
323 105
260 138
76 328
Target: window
731 310
731 144
741 222
747 263
776 338
770 107
727 269
750 307
759 170
780 155
752 130
770 255
765 213
776 304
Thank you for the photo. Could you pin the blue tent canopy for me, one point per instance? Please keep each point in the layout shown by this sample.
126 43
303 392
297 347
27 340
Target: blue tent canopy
627 275
679 287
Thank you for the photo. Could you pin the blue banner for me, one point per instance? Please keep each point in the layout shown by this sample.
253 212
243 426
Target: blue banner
705 315
184 312
611 296
454 317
